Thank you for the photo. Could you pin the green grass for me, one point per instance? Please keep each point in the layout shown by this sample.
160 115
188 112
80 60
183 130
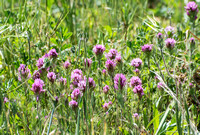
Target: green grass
29 29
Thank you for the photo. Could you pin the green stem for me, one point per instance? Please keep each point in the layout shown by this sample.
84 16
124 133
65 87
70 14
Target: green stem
50 121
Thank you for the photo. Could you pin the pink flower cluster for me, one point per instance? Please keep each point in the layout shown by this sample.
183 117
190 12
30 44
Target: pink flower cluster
170 43
110 65
99 50
119 81
106 105
23 72
137 62
51 76
136 84
147 48
106 89
37 86
192 10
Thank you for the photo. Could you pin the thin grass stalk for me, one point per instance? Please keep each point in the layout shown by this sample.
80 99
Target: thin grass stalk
50 121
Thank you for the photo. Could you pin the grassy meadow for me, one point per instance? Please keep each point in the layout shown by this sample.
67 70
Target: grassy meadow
99 67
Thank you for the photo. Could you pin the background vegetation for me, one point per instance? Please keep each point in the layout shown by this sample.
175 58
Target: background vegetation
29 29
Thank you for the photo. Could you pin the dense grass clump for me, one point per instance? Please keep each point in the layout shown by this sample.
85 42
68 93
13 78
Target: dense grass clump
99 67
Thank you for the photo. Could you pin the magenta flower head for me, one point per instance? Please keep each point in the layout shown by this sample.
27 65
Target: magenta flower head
36 75
137 62
63 81
91 82
24 72
192 41
110 65
119 81
73 104
76 94
118 59
159 35
147 48
51 76
136 115
169 31
99 50
106 89
77 71
105 106
37 86
110 102
170 43
191 85
137 71
160 85
134 81
192 10
40 62
76 77
139 90
52 53
112 54
82 85
104 72
67 64
5 100
89 62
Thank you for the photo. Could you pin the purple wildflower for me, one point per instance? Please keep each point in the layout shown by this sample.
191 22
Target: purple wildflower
192 10
89 62
56 99
110 65
112 54
169 31
147 48
137 62
82 85
67 64
52 53
192 41
191 85
51 76
24 72
134 81
92 84
170 43
160 85
98 50
137 70
119 80
159 35
36 75
106 89
139 90
37 86
104 72
73 104
76 94
40 62
76 77
105 106
63 81
118 59
110 102
45 56
5 100
136 115
77 71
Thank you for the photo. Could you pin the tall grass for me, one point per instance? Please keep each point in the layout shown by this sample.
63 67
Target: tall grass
29 29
